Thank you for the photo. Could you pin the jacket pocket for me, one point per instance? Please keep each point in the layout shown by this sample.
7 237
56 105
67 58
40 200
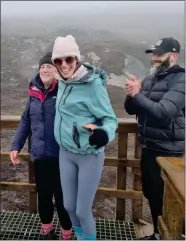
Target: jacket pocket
75 135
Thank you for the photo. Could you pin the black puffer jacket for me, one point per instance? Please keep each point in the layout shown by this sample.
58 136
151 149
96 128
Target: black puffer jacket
160 108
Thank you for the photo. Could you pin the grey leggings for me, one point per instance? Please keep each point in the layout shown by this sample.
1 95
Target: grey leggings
80 176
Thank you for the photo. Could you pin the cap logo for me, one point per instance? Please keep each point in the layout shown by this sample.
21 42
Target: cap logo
174 49
159 43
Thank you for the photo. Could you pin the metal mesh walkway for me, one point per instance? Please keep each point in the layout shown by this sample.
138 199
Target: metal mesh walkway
26 226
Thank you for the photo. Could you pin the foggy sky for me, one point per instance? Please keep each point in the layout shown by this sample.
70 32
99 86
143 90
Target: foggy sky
17 8
131 20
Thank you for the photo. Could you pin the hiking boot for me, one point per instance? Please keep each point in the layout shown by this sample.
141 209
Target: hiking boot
50 236
66 234
64 237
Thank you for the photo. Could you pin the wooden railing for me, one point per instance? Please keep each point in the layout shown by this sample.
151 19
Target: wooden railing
122 161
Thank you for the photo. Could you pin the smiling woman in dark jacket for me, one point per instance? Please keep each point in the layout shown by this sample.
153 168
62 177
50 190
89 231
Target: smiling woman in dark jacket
38 120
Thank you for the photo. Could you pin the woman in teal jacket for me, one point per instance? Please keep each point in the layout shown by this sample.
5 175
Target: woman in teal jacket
84 123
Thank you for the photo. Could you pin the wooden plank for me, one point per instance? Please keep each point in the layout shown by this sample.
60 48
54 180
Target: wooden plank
143 228
10 122
17 186
173 211
109 161
126 125
23 156
127 128
137 205
109 192
119 193
124 121
174 169
139 230
168 187
122 162
172 220
121 174
147 228
165 234
136 171
5 118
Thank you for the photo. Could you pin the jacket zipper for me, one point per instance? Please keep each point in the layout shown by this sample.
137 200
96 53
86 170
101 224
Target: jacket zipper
60 114
75 135
172 131
67 95
144 126
42 112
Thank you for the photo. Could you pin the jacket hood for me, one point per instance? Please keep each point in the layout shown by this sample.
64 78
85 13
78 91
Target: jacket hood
85 74
174 69
36 81
38 84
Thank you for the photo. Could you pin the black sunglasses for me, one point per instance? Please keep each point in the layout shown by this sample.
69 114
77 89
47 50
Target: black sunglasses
68 60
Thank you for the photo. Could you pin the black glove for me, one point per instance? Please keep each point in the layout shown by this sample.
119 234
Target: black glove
99 138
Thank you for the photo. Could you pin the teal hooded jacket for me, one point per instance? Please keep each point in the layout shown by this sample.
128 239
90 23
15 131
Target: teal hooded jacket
83 99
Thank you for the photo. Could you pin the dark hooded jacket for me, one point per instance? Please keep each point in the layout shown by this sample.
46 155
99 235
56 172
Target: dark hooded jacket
160 110
38 120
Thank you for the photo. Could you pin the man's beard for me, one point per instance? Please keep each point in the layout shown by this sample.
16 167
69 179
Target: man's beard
164 65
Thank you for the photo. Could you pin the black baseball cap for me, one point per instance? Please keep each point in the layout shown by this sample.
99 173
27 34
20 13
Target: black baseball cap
165 45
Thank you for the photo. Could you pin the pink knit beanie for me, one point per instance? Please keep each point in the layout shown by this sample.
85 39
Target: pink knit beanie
65 47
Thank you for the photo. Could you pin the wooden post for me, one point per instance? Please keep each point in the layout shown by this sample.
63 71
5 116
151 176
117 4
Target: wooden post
137 204
170 224
121 174
33 195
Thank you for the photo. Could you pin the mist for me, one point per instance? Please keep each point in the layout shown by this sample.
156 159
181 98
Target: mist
132 20
111 34
15 8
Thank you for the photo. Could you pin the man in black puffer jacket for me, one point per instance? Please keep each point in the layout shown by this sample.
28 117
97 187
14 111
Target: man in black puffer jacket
159 104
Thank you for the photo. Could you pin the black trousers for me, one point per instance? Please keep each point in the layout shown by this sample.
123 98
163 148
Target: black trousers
152 183
48 184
